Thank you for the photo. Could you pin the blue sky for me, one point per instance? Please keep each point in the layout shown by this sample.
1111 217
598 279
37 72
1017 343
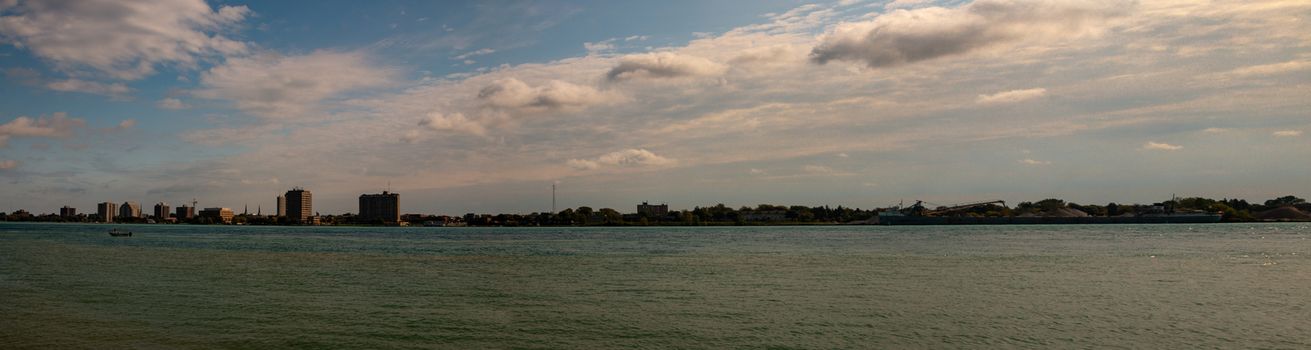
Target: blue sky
481 106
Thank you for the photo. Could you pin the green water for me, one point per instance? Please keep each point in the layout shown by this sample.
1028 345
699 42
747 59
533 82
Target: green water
1122 286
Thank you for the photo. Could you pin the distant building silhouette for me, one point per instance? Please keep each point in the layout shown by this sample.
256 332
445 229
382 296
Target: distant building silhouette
223 215
186 212
282 206
161 211
129 210
653 210
385 207
107 211
300 205
67 211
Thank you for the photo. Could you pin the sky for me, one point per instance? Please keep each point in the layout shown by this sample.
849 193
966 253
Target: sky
483 106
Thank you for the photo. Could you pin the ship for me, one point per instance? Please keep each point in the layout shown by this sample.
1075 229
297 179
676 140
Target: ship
918 214
117 233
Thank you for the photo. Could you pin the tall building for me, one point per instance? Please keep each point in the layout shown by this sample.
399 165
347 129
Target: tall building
282 206
300 205
130 210
67 211
385 207
186 212
223 215
107 211
161 211
653 210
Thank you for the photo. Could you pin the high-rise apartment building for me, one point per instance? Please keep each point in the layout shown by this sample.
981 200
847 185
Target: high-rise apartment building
385 207
130 210
186 212
67 212
300 205
282 206
107 211
161 211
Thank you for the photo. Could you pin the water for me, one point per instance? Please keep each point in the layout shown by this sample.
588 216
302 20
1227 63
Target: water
1128 286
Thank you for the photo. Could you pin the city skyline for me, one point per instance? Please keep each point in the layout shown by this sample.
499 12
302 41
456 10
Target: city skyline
737 103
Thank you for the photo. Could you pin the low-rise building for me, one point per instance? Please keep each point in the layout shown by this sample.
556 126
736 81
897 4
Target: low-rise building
223 215
652 210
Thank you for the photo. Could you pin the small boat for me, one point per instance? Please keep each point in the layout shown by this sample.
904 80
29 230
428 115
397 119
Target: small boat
117 233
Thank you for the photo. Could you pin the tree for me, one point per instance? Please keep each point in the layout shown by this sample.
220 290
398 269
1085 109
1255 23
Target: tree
566 216
1284 201
611 216
583 214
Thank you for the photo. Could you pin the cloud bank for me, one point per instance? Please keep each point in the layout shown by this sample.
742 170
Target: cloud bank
908 36
56 125
275 87
1012 96
632 157
1160 146
122 39
515 94
664 65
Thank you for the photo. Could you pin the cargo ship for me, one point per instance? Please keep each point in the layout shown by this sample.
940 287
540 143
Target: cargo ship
917 214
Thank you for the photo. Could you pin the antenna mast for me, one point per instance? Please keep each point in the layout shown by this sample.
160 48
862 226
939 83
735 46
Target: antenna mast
553 198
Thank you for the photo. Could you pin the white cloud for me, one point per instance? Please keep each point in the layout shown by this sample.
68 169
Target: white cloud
452 122
8 164
907 36
1214 130
1030 161
76 85
582 164
896 4
1287 133
636 38
122 39
1151 145
286 87
600 47
475 53
769 56
56 125
127 124
171 103
1270 69
1012 96
664 65
555 94
632 157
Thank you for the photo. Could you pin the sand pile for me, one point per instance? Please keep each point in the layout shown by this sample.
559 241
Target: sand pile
1066 213
1283 213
